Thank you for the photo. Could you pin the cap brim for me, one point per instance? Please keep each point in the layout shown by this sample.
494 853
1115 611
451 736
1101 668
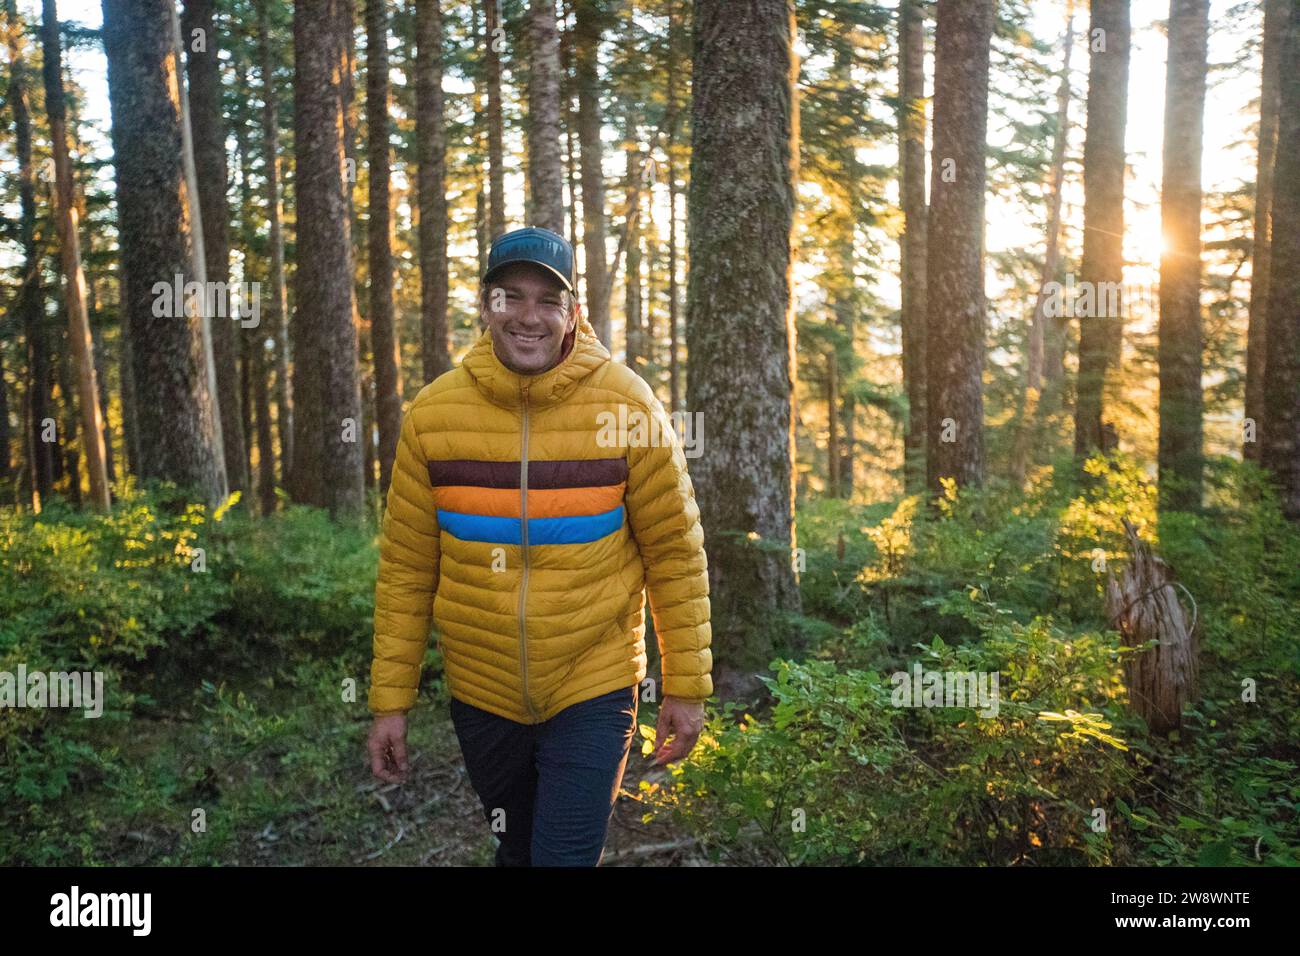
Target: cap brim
497 269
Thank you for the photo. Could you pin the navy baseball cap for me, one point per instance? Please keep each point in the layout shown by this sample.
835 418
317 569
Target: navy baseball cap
532 244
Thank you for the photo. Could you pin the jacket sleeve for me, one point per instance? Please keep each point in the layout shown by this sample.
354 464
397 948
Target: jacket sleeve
665 521
407 581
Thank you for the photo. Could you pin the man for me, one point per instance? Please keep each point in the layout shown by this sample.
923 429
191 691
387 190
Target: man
527 525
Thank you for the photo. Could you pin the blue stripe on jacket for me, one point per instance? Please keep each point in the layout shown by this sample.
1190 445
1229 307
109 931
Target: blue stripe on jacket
579 529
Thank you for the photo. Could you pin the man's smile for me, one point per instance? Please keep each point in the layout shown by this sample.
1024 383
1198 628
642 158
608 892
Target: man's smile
527 338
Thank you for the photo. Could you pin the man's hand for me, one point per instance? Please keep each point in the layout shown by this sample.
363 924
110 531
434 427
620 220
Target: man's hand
681 719
387 747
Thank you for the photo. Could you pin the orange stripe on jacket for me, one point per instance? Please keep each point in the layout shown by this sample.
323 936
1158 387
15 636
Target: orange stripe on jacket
542 502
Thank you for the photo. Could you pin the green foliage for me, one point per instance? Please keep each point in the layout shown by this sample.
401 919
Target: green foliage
128 595
836 771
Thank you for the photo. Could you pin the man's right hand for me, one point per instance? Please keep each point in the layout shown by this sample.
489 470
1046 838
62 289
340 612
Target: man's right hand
387 747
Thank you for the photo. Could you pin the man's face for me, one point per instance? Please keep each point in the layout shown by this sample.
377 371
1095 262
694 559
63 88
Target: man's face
528 310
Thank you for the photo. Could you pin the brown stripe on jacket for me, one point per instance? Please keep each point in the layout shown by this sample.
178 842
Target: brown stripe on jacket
564 473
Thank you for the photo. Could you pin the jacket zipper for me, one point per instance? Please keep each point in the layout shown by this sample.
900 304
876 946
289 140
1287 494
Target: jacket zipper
523 529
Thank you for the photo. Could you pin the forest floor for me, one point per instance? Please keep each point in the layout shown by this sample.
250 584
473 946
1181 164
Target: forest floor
295 789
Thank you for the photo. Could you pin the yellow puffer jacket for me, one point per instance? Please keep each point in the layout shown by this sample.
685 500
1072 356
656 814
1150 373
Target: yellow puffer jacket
526 525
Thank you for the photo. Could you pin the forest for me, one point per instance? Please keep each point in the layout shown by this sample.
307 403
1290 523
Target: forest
987 314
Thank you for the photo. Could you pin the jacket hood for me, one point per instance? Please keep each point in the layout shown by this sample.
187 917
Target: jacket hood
505 387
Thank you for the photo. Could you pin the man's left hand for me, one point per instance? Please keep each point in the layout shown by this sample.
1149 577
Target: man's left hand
682 720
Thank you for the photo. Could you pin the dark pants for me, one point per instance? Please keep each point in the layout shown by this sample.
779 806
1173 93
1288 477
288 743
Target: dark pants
548 789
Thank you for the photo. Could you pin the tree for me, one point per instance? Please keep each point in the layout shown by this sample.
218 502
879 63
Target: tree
203 74
175 416
92 423
741 206
431 148
545 170
1281 447
1103 211
955 301
327 458
588 26
30 297
279 307
383 331
494 42
911 186
1275 22
1180 331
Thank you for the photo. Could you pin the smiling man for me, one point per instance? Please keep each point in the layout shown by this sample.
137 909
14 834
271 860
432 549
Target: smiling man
531 543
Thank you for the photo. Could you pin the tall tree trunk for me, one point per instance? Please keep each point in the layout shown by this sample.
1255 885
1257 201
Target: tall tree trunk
383 329
278 301
327 465
175 418
1051 252
255 360
99 356
911 163
92 421
203 73
1180 347
68 411
494 43
673 123
6 436
744 162
1103 213
1281 446
431 176
833 460
632 274
545 172
481 237
955 302
587 32
1275 22
29 303
567 88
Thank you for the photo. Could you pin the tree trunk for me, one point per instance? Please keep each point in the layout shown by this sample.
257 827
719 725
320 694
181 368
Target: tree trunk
587 39
175 419
743 168
632 241
673 122
545 171
29 301
955 301
203 73
92 423
1051 252
68 411
383 329
912 251
278 300
1103 213
327 465
567 86
1143 606
1180 347
833 489
431 176
481 237
1275 22
1281 447
494 43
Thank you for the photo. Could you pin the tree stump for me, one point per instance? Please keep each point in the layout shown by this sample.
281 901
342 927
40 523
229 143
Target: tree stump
1143 605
